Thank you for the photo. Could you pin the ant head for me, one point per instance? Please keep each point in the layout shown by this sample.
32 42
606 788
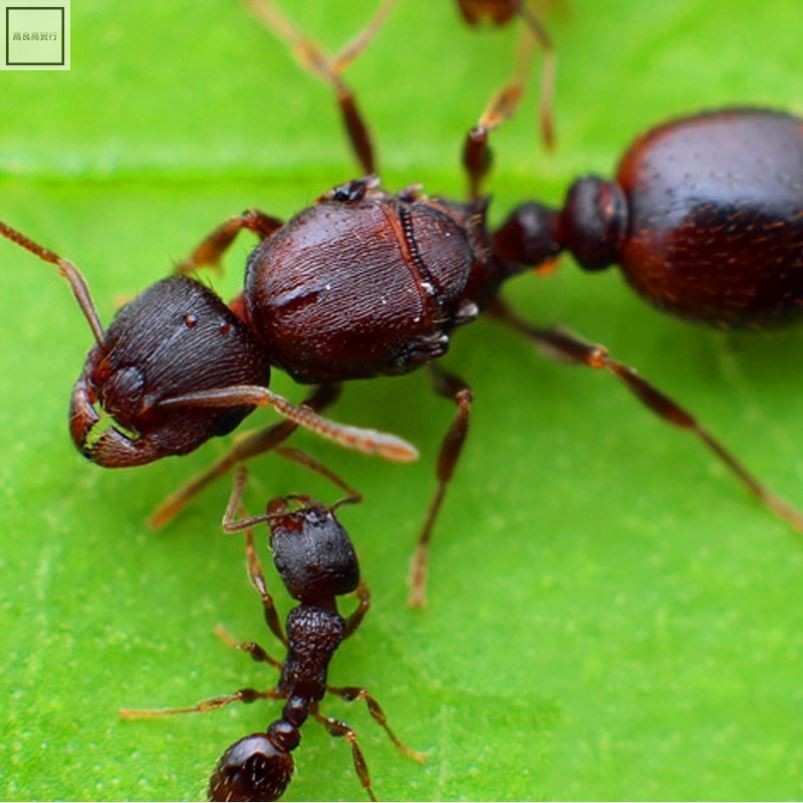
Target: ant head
312 552
253 768
176 338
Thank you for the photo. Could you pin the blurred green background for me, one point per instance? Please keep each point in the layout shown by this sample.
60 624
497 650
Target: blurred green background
611 617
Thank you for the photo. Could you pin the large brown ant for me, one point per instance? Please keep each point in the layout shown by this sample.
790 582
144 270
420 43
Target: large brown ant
367 283
315 559
704 218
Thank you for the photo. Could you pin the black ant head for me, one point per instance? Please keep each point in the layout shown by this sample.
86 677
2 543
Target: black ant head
312 552
176 338
254 768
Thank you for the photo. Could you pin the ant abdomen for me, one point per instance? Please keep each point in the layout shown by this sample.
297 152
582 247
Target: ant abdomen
705 218
252 769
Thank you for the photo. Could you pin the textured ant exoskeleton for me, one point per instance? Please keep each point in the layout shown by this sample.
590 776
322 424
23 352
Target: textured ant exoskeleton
316 561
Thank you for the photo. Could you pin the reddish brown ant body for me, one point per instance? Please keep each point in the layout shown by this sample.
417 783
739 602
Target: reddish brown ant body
315 559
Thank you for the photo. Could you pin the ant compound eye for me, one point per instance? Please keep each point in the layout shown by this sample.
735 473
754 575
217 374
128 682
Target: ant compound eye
252 769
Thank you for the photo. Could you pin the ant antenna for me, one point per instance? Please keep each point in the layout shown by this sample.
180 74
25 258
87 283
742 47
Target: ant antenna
68 271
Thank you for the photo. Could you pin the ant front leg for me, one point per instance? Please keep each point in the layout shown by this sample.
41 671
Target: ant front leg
256 443
255 573
563 346
247 695
352 693
451 387
209 251
337 728
330 69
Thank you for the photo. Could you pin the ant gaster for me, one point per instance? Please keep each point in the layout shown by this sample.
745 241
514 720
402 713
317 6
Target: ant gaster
315 559
704 217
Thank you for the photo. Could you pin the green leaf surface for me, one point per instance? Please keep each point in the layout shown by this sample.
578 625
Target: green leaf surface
610 616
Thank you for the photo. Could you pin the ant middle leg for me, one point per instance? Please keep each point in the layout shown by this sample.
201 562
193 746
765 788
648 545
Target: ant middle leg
337 728
352 693
209 251
330 68
567 347
252 445
454 388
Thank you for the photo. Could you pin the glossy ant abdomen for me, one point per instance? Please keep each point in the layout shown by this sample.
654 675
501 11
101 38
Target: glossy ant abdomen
316 561
705 219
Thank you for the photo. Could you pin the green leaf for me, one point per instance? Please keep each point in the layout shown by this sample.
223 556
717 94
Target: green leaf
611 617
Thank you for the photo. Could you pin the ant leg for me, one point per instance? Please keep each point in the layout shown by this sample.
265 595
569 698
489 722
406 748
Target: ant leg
329 69
352 693
548 71
257 652
68 271
564 346
337 728
255 573
250 446
209 251
212 704
367 441
352 497
355 620
451 387
477 154
257 578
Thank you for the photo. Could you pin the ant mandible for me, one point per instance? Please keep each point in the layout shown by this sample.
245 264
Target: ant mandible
704 218
315 559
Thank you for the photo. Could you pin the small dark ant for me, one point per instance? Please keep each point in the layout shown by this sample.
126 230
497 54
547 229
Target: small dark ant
315 559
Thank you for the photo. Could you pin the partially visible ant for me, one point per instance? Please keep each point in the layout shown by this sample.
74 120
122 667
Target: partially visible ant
501 12
502 105
315 559
329 69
